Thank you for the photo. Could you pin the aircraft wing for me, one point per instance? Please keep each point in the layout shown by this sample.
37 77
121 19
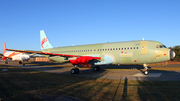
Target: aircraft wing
45 53
79 60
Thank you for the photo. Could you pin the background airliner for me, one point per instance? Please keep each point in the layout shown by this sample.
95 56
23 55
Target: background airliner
130 52
15 56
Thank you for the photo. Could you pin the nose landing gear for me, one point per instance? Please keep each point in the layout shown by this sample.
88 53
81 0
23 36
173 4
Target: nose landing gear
146 72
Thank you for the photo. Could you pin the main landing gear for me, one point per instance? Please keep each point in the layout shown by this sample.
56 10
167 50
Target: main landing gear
22 62
146 72
6 61
75 70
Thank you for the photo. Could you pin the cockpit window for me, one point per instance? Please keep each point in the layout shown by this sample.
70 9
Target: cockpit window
164 46
161 46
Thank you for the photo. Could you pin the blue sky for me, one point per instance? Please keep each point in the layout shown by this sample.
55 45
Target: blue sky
80 22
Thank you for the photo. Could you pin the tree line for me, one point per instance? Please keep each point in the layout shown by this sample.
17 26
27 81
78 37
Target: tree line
176 49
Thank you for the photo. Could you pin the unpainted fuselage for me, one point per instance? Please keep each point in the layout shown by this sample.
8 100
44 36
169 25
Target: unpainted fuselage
130 52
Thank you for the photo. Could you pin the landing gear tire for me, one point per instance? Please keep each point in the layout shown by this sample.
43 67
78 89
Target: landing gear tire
20 62
146 72
6 61
74 71
77 71
97 68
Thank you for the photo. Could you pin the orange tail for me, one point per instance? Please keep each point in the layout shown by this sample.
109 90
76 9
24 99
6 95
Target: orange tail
4 47
4 58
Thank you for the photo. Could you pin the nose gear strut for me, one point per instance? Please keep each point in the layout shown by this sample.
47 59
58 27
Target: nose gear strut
146 72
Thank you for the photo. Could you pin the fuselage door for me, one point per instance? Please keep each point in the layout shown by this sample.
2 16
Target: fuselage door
144 47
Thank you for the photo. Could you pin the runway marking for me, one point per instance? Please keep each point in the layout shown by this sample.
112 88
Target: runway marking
149 75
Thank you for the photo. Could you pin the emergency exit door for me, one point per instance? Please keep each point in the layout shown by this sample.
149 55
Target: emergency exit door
144 47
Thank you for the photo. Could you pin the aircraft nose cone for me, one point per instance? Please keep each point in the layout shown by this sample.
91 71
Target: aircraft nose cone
172 54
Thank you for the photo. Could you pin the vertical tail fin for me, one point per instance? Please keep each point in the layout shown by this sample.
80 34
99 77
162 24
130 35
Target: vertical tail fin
4 58
45 44
4 47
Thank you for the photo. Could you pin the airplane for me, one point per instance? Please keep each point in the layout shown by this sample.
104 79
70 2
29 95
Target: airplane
92 56
14 56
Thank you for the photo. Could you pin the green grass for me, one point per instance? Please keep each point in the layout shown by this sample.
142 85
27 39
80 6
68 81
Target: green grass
20 84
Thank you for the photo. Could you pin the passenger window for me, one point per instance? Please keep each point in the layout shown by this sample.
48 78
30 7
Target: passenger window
119 48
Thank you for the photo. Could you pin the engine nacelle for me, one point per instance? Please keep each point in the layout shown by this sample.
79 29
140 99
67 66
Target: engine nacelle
83 60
